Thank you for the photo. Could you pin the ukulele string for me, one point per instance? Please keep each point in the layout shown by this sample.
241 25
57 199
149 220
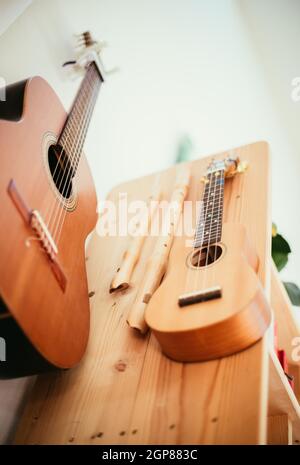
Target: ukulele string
212 204
221 187
203 224
77 152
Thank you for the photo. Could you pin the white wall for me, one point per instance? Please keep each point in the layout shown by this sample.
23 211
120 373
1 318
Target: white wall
217 70
10 10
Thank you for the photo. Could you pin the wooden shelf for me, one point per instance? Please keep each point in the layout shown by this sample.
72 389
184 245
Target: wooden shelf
125 391
282 399
287 326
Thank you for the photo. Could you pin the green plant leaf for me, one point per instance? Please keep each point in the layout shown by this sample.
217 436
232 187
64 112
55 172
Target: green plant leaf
279 244
280 251
294 292
280 260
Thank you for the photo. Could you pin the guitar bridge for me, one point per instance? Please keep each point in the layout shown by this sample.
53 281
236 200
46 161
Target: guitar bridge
202 295
38 225
34 220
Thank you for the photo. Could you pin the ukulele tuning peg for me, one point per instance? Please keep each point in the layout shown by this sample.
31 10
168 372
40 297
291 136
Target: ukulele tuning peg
242 166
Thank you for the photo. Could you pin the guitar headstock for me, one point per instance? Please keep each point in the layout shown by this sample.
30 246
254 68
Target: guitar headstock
88 50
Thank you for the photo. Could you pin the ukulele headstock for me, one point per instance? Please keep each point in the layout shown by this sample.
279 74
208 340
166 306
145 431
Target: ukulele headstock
231 166
88 50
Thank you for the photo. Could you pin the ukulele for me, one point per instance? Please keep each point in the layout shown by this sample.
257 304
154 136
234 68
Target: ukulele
48 207
210 303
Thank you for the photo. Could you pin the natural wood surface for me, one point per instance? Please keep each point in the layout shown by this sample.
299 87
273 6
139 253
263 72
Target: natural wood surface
125 390
294 370
122 278
287 327
282 399
279 430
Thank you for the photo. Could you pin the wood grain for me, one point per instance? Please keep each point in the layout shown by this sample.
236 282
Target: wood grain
287 327
279 430
125 391
282 399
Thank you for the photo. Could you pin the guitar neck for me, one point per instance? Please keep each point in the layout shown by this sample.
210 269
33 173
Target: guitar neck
209 227
74 132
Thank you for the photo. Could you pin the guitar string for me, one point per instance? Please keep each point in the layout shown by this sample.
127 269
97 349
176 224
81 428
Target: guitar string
51 209
76 148
79 149
77 118
81 114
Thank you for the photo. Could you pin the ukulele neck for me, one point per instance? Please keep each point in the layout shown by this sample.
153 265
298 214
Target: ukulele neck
209 227
74 132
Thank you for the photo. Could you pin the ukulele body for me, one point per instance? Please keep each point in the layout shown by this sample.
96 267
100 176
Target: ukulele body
213 328
43 325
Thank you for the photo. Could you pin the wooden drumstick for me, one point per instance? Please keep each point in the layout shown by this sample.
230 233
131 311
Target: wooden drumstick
122 278
157 264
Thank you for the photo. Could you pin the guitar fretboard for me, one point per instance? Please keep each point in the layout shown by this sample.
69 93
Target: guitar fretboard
209 227
74 132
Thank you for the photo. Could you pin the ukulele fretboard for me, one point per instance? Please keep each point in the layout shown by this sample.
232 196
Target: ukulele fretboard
209 227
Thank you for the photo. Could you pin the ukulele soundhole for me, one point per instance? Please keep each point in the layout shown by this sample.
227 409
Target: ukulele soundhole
204 256
61 170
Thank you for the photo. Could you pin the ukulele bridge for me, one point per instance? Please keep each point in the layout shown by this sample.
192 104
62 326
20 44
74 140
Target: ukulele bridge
202 295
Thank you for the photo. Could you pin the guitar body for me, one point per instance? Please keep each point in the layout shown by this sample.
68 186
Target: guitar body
214 328
38 317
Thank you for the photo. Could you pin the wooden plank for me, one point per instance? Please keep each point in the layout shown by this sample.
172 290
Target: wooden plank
125 390
282 399
287 327
279 430
294 371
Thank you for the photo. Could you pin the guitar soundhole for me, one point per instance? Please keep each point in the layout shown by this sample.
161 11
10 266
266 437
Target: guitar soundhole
61 170
205 256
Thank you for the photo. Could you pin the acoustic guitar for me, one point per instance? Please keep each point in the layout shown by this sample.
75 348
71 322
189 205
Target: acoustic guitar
48 207
210 303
